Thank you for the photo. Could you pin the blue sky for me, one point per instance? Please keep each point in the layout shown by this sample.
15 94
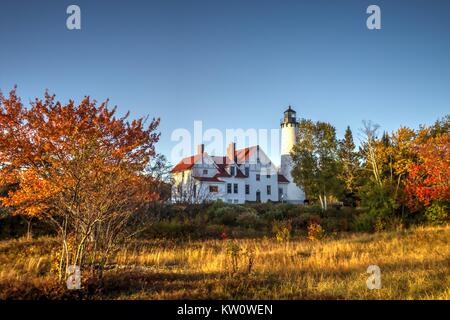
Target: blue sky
235 63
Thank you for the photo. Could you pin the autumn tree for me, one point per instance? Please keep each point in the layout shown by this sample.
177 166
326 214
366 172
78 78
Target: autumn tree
397 165
428 181
80 168
315 158
375 191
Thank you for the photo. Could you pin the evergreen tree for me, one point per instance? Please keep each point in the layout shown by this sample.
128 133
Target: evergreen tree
350 166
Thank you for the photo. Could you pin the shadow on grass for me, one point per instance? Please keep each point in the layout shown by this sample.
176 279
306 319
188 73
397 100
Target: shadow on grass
297 284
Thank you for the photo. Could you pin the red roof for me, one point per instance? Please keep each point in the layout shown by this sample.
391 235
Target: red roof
208 179
239 174
244 154
222 165
282 179
222 162
186 163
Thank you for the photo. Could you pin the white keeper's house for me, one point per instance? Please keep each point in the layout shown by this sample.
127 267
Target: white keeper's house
242 175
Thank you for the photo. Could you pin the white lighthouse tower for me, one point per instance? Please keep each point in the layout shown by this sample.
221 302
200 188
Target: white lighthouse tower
289 128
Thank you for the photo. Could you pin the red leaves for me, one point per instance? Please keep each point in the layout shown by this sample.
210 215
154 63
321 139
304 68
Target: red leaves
51 148
429 177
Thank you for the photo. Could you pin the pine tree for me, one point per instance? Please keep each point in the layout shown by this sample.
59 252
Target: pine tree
350 166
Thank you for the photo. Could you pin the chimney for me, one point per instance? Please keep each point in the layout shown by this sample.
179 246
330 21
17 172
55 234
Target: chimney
231 152
201 150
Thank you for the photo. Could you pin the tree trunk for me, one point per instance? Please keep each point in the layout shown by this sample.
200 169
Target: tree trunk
29 235
322 205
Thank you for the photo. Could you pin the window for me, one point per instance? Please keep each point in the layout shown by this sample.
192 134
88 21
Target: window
247 189
269 190
268 176
236 201
235 188
213 189
205 171
195 189
258 177
232 171
247 171
230 201
228 187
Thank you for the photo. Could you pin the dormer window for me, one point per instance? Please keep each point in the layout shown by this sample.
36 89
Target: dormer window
247 171
232 171
205 171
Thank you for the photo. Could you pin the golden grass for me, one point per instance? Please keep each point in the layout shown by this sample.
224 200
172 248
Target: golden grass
414 264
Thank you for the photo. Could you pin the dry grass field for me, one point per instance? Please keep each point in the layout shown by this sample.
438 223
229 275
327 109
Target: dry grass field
415 264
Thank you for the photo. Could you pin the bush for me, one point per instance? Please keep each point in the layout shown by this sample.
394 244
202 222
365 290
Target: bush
282 230
272 215
315 231
378 200
171 229
364 222
217 231
437 213
302 221
225 215
249 219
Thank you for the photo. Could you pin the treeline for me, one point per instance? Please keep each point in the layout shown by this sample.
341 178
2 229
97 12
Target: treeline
400 175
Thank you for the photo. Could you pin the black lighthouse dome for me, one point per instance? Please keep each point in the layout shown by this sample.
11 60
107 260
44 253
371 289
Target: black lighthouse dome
290 116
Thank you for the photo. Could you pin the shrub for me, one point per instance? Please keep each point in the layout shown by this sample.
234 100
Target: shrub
171 229
364 222
226 215
332 224
282 230
212 207
315 231
217 231
314 209
378 200
304 219
248 219
437 213
272 215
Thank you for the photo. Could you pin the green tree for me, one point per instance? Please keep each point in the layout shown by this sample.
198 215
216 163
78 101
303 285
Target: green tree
350 166
441 126
315 161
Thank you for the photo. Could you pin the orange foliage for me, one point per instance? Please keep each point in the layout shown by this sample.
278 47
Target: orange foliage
429 177
58 155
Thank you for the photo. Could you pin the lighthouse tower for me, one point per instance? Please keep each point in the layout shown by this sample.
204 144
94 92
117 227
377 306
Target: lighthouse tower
289 128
